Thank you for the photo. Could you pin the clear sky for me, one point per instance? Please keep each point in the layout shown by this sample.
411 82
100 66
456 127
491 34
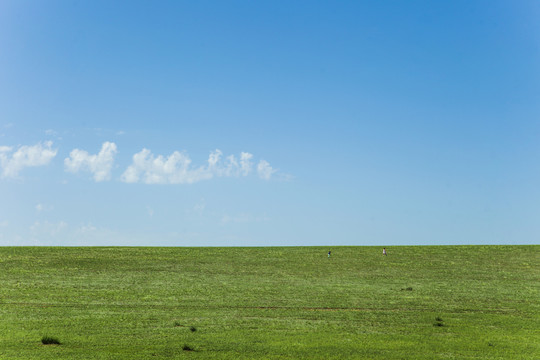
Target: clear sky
250 123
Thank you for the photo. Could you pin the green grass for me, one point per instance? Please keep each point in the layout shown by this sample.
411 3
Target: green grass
271 303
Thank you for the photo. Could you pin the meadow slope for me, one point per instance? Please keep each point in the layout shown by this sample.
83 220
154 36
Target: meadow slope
419 302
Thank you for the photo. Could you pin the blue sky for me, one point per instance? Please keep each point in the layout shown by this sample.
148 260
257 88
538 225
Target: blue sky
214 123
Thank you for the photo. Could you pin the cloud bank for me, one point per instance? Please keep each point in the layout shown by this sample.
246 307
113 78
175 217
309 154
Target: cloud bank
99 165
176 168
12 163
145 168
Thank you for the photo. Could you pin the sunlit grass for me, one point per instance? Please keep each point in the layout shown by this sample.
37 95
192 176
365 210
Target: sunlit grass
442 302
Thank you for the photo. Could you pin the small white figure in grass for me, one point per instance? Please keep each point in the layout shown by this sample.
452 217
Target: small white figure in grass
384 251
329 253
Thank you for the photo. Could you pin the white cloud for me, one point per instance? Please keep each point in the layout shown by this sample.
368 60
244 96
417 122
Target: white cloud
245 163
26 156
61 233
176 168
264 170
243 218
200 207
53 133
45 228
42 207
99 165
4 223
85 229
150 169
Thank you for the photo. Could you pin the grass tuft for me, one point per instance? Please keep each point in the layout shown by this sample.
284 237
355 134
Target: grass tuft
439 321
193 328
187 348
176 324
49 340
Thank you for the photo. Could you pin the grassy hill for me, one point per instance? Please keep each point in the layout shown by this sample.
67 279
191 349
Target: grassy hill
424 302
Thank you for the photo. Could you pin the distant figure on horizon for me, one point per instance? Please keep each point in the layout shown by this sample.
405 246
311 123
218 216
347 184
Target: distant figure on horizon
384 251
329 253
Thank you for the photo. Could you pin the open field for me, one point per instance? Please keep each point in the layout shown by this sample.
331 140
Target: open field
423 302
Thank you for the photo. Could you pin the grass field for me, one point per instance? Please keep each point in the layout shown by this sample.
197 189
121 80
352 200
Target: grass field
424 302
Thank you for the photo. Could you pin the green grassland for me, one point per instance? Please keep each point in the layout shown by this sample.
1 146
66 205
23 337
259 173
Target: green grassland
419 302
